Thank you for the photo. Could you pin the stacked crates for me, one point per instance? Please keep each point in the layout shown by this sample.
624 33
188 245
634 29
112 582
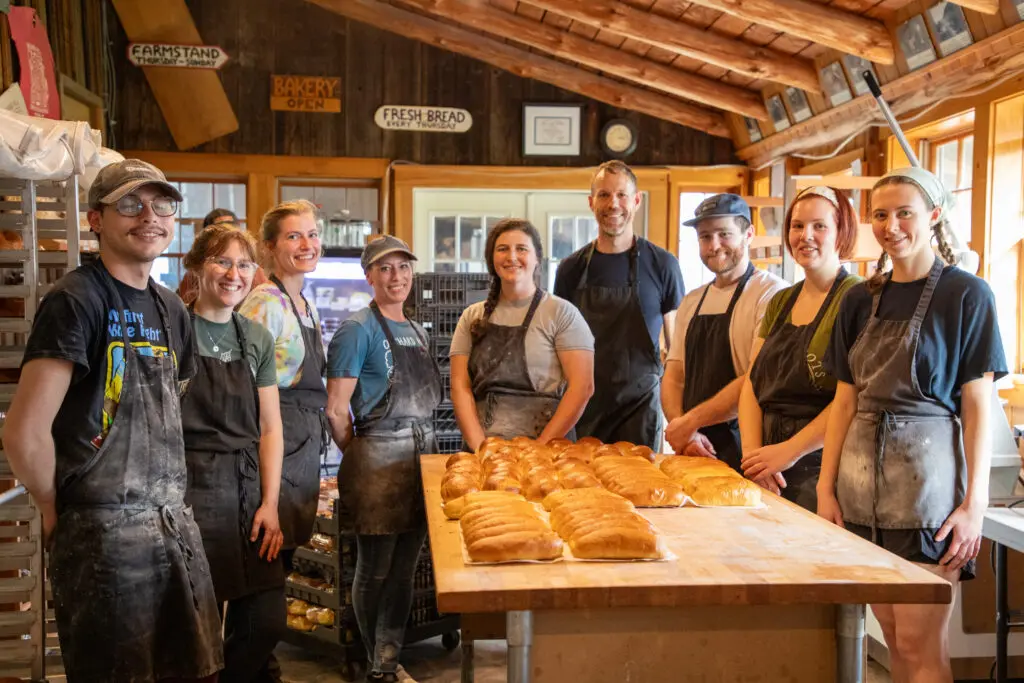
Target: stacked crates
437 302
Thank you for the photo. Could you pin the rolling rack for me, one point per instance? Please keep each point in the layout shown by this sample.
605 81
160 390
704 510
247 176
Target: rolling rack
342 640
34 211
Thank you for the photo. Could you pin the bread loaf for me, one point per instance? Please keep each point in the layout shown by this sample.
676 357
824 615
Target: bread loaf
725 491
589 441
521 545
457 485
461 457
617 543
454 508
678 464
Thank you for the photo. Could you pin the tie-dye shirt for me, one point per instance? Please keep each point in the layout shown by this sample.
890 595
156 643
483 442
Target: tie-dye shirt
270 307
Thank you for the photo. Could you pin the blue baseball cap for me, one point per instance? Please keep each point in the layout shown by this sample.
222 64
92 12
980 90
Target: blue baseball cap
719 206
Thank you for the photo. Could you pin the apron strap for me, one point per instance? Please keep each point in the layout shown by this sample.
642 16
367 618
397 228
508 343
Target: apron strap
926 296
537 296
787 308
633 250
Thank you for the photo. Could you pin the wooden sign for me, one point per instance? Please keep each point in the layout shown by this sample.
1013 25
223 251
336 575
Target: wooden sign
181 56
305 93
430 119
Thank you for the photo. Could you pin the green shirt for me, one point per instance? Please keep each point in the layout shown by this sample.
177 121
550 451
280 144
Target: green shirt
259 343
821 337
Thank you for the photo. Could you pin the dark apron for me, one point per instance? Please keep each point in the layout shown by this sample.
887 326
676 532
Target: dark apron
305 435
903 464
131 585
709 369
788 397
221 420
507 403
626 405
379 486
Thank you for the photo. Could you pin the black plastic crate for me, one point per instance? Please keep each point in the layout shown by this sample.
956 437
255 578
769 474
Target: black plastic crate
439 321
450 289
440 347
449 443
444 421
446 389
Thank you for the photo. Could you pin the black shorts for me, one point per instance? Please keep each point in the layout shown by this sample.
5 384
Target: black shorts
914 545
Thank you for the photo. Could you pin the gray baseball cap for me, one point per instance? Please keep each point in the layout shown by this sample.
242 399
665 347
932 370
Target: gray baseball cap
116 180
381 247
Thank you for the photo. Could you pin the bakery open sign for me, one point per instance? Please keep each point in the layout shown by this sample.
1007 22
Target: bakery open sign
305 93
183 56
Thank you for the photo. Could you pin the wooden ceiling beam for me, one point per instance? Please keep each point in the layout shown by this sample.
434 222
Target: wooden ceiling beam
829 26
526 65
681 38
983 6
673 81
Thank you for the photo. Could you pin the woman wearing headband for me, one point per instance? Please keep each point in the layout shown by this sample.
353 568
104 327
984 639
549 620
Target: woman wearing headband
785 400
907 450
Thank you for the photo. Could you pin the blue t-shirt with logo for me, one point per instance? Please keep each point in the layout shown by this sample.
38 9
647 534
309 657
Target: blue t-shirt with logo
359 349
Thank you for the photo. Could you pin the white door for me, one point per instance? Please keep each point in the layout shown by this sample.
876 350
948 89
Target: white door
450 226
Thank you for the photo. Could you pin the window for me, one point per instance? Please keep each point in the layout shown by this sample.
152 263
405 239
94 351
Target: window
340 202
694 272
459 242
566 234
198 199
952 160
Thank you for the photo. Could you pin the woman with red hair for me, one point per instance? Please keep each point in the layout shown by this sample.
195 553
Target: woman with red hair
785 402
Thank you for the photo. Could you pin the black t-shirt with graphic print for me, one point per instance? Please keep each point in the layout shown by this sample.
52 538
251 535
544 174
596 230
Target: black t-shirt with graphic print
78 320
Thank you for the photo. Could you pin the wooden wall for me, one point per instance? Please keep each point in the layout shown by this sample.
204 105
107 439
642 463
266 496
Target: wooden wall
264 37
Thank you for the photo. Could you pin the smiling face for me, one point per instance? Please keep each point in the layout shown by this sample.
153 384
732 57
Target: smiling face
225 279
614 200
136 239
812 234
515 258
723 243
391 279
901 220
297 246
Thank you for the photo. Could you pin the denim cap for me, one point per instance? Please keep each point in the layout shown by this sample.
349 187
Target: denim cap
377 249
719 206
119 179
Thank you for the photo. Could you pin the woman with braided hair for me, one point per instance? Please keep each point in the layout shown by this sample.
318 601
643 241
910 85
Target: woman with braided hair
523 360
906 458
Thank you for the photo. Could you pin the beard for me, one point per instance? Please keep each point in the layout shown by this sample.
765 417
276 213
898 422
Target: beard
723 261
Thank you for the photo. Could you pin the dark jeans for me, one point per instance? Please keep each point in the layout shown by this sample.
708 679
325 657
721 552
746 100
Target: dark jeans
253 625
382 593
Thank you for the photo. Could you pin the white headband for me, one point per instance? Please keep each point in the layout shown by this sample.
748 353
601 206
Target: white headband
930 186
826 193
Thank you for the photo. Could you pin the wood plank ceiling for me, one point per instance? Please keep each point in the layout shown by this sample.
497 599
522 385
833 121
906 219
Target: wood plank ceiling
704 64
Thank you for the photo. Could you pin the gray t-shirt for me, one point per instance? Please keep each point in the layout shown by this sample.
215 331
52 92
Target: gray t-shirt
556 326
260 343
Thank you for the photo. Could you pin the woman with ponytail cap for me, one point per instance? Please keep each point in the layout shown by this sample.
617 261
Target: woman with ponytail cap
523 360
906 458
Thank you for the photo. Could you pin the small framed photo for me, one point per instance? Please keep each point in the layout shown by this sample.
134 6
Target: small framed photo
855 68
915 42
798 105
1019 6
833 81
753 130
777 110
551 129
950 27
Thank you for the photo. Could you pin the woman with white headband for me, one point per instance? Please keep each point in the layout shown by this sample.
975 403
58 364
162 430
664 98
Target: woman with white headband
907 450
784 404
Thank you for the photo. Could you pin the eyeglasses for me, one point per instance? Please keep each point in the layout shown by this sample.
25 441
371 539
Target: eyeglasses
130 206
225 264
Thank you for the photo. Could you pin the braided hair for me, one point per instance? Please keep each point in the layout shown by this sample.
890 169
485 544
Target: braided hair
940 232
479 325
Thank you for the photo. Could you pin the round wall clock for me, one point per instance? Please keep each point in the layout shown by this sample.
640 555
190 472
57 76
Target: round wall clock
619 137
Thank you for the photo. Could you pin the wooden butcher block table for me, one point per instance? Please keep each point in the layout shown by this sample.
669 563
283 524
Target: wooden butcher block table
773 595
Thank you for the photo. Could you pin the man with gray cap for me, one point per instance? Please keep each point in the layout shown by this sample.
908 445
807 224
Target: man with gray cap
380 371
94 433
715 329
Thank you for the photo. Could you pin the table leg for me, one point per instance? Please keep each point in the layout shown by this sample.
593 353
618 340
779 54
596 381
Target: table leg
850 644
1002 613
468 673
519 633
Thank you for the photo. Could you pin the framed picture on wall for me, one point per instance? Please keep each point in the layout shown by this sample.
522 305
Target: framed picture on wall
950 27
915 42
1019 6
753 130
833 81
855 68
777 110
551 129
798 105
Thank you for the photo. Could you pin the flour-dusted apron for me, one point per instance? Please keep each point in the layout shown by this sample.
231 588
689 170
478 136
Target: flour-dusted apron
379 485
709 369
305 435
221 421
132 591
903 464
626 404
507 403
787 394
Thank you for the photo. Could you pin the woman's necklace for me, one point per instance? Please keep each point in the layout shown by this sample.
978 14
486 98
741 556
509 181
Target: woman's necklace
226 356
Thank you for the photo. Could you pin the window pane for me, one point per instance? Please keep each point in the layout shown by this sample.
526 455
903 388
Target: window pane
946 163
586 230
492 221
230 196
473 267
444 267
1004 269
186 235
444 237
563 237
961 218
967 163
197 200
471 238
167 271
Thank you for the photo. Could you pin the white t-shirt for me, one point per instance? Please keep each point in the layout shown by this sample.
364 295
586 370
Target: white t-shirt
746 315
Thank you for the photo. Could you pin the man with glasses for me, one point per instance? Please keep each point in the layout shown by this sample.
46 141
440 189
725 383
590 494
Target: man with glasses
94 433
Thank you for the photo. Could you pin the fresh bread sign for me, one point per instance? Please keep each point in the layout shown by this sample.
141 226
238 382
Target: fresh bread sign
183 56
429 119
